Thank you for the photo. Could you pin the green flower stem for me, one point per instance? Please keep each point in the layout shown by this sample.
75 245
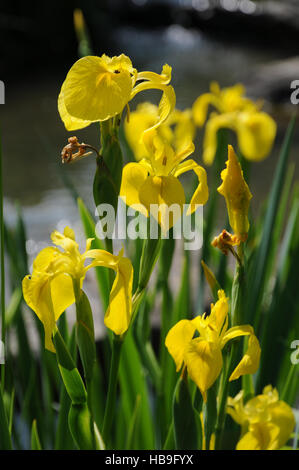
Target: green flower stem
108 173
150 252
86 342
111 397
149 256
238 290
223 394
5 439
79 418
210 415
236 319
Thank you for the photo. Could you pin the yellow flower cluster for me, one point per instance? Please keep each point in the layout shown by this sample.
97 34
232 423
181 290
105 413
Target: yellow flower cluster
266 421
197 345
161 138
99 88
154 180
255 129
49 290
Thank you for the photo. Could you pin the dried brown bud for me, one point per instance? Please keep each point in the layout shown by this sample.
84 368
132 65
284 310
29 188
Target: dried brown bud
74 150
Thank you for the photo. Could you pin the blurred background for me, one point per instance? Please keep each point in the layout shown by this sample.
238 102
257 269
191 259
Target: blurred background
253 42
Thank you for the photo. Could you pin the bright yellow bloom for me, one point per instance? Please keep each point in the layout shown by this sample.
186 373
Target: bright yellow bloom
255 129
98 88
202 355
49 290
154 180
237 195
178 129
266 421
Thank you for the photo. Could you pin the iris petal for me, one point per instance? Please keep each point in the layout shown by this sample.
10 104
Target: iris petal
98 88
177 340
162 192
204 363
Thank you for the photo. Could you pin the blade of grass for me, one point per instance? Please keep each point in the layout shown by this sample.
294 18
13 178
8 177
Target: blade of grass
275 332
257 280
35 440
132 384
5 441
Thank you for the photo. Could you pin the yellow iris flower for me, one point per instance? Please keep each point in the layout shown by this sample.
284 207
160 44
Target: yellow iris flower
255 129
202 355
266 421
178 129
154 180
49 289
98 88
237 195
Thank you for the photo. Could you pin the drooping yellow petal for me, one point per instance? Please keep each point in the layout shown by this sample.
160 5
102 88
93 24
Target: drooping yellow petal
184 130
133 177
200 108
145 116
177 340
256 133
177 130
250 361
235 408
98 88
201 193
163 78
180 156
261 436
219 312
204 363
44 258
166 105
283 417
215 122
62 294
48 292
71 123
235 332
118 314
166 196
237 195
167 102
37 295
